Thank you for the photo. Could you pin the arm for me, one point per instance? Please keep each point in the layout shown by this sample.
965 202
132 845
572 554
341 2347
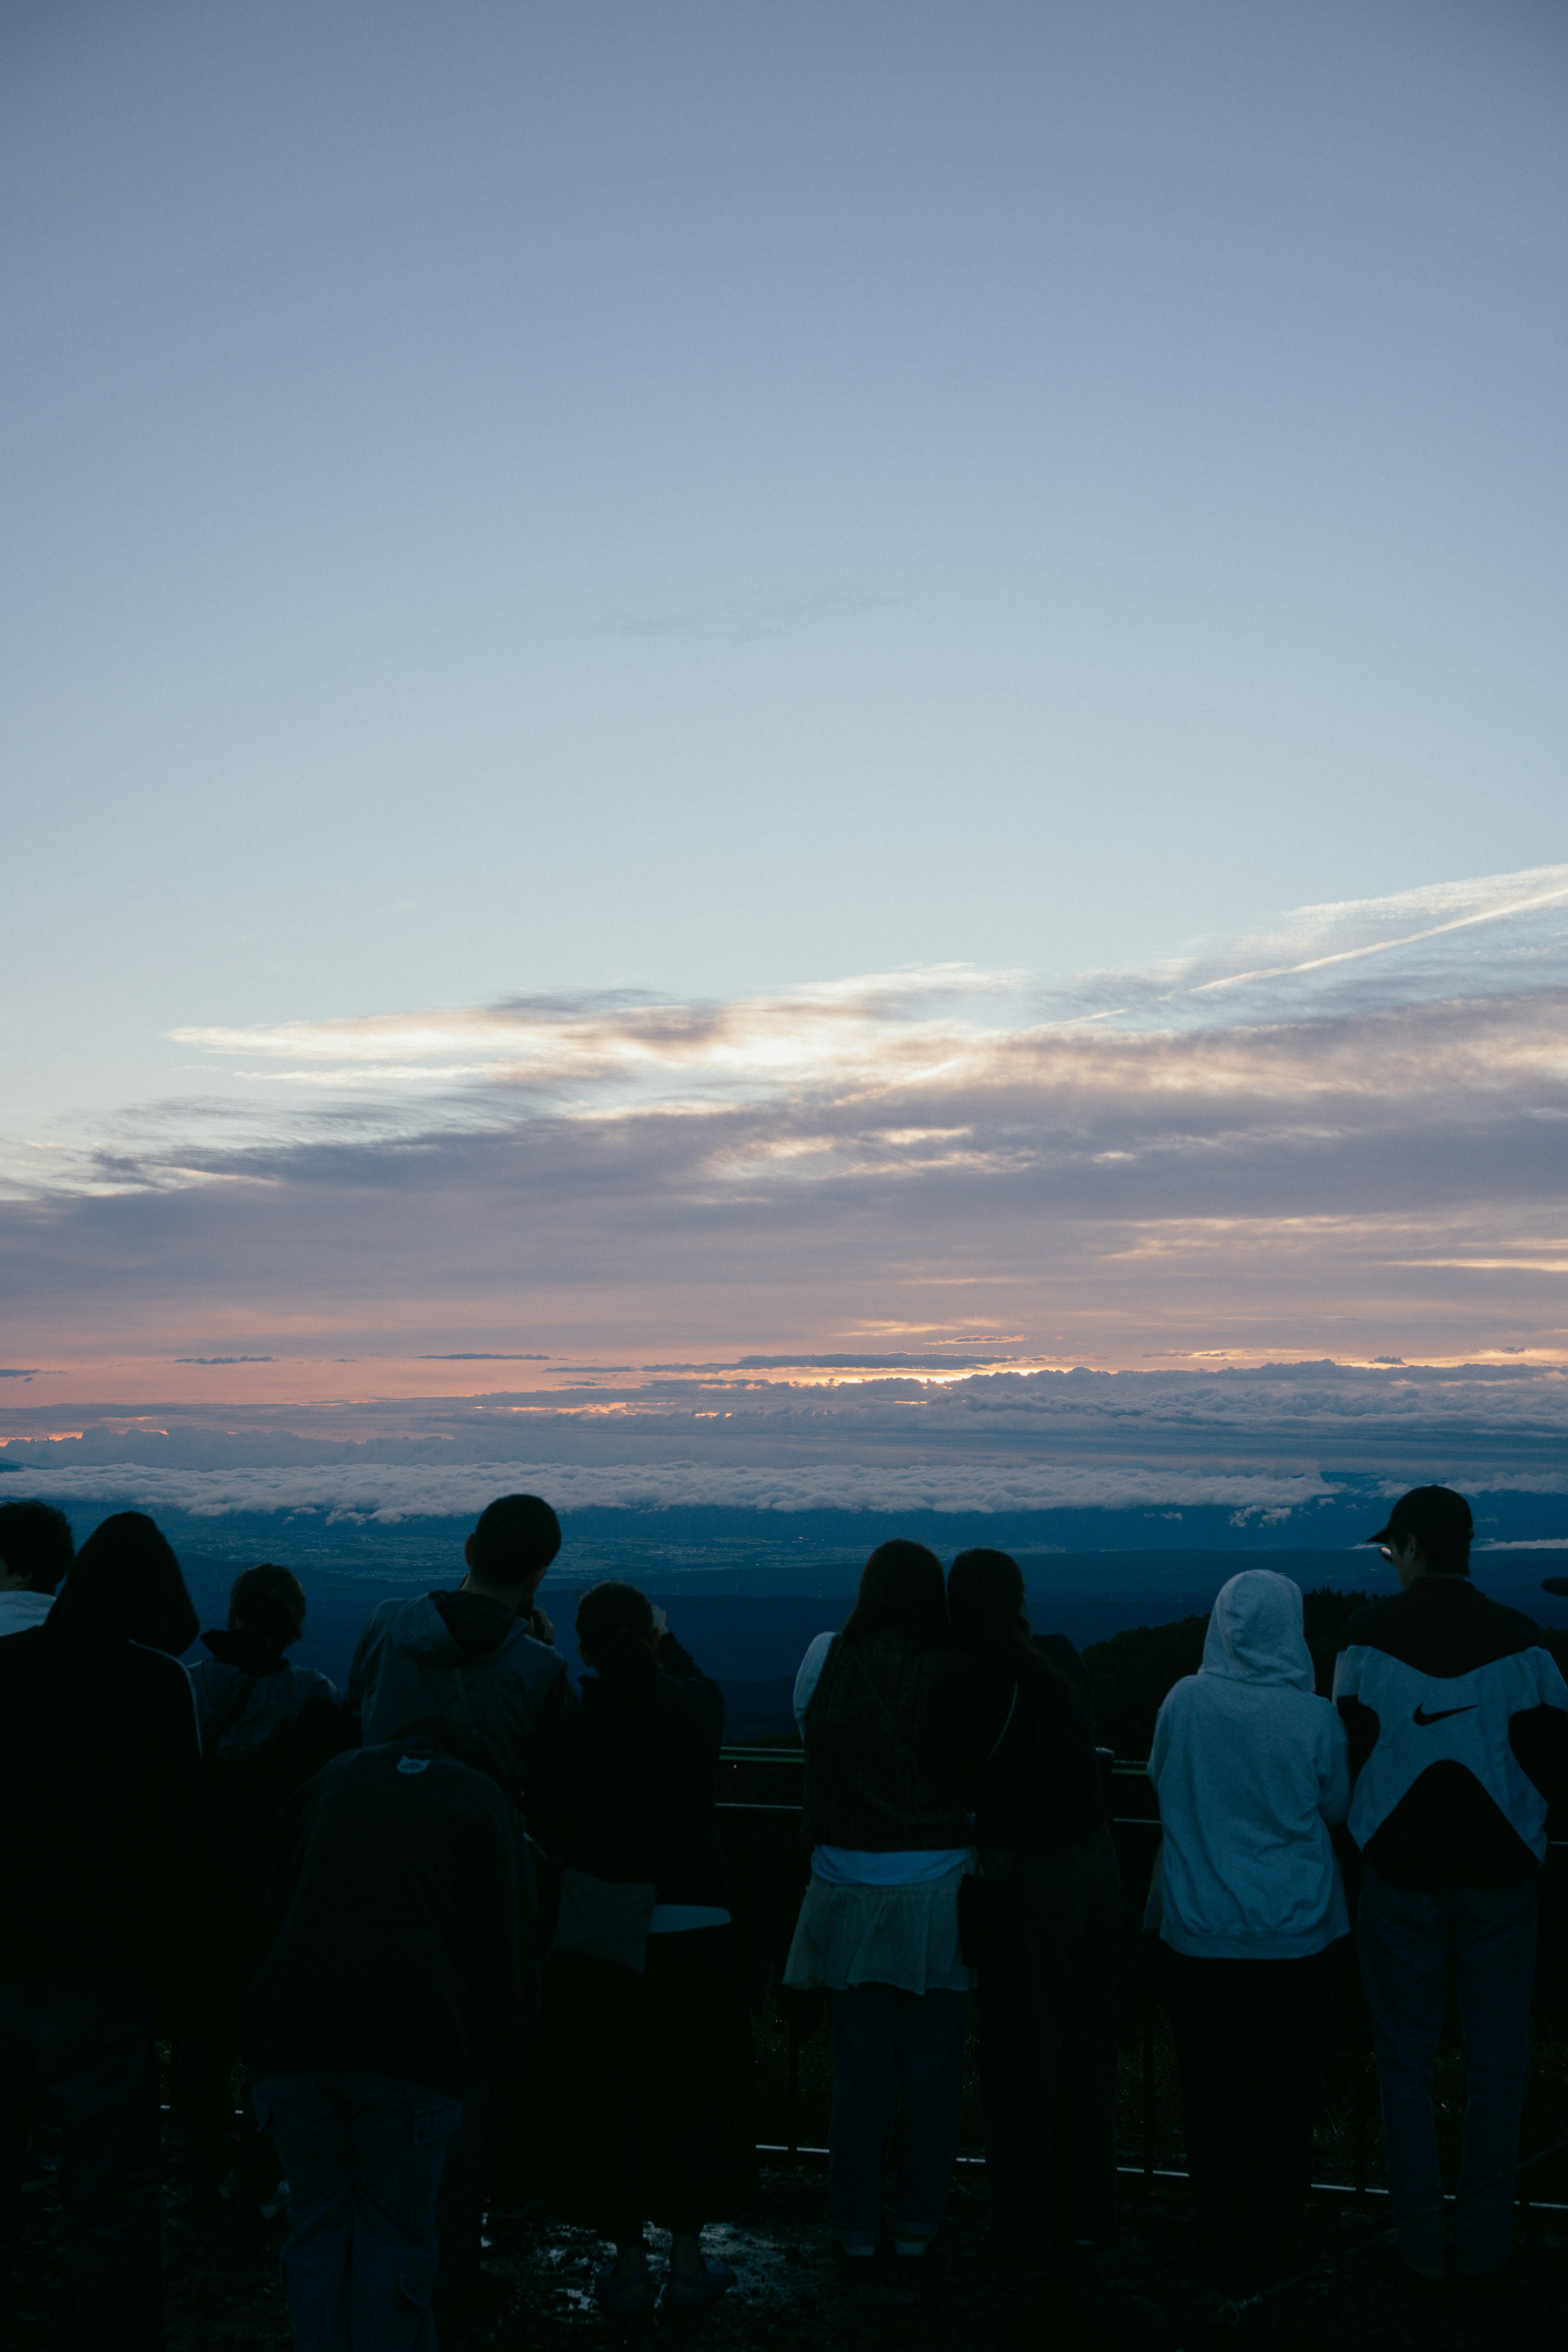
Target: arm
1360 1723
810 1673
1539 1735
1334 1781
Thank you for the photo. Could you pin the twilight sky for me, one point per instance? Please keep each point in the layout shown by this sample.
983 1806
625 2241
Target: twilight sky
669 673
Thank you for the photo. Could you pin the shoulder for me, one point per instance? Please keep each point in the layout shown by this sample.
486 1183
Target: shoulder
818 1649
1363 1625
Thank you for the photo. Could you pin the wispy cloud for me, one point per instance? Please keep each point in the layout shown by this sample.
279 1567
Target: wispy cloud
745 621
1355 1149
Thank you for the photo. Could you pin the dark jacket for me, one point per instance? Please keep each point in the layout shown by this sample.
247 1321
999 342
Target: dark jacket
247 1691
464 1659
1034 1787
628 1792
868 1782
1458 1720
400 1951
102 1831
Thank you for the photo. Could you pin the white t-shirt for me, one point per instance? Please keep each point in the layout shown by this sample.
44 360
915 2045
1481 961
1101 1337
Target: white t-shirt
21 1609
847 1865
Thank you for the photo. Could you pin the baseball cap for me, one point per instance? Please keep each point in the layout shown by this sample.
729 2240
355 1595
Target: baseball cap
1427 1511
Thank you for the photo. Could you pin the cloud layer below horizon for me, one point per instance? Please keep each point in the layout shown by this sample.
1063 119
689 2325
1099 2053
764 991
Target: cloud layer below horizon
1341 1136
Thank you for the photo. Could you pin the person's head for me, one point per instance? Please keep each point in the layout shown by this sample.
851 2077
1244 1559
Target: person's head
517 1538
268 1599
986 1613
901 1591
36 1547
1430 1533
125 1580
617 1636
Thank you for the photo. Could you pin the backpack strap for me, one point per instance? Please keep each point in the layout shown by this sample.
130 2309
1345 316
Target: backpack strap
1002 1735
247 1691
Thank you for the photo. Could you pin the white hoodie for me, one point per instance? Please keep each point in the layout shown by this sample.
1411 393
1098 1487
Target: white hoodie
1252 1769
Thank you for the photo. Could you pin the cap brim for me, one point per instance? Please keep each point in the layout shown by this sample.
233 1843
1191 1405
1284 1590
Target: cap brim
1384 1534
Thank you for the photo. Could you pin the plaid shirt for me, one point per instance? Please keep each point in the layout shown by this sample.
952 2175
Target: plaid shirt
865 1782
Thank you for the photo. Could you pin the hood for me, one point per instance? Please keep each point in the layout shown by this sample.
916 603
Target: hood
454 1629
1255 1632
243 1647
125 1584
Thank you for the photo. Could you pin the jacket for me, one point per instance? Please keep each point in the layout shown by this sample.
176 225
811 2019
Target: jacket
248 1691
1252 1771
464 1659
103 1860
402 1948
869 1785
1458 1720
1027 1770
628 1793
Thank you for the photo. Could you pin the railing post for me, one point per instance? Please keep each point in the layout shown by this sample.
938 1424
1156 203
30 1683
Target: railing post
791 2092
1359 2126
1148 1983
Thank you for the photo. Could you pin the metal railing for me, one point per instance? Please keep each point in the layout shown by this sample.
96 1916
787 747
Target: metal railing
1124 1826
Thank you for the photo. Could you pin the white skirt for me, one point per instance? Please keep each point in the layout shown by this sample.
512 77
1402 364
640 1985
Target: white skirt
902 1935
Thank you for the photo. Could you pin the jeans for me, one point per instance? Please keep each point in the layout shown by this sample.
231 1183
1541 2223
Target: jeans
363 2155
1251 2038
460 2203
1407 1941
1047 2042
882 2038
86 2037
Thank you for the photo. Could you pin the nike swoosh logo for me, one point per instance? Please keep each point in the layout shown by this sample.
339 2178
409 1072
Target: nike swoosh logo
1423 1718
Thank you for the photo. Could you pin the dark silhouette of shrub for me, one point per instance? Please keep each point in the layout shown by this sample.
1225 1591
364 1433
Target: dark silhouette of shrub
1131 1673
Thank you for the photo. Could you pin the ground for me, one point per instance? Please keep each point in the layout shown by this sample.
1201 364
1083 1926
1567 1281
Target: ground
795 2291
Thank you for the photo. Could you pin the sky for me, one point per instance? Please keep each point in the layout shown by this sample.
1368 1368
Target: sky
716 698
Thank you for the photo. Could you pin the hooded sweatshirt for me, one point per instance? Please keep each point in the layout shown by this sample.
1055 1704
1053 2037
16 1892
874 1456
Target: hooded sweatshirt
464 1659
1252 1771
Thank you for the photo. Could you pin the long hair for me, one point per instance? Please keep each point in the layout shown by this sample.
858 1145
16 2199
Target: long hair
269 1600
985 1609
125 1580
901 1593
614 1622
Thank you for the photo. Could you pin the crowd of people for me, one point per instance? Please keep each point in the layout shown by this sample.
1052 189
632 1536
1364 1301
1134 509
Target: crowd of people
462 1895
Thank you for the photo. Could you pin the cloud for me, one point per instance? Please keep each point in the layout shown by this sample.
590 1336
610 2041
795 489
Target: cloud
19 1372
986 1442
479 1356
746 623
1355 1151
226 1360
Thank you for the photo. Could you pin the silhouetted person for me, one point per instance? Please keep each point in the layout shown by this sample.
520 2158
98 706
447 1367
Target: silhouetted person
644 2093
102 1917
1252 1771
1458 1730
36 1551
880 1923
396 1982
1012 1729
479 1659
266 1727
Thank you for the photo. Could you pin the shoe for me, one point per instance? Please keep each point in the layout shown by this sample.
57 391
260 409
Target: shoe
858 2244
631 2292
684 2294
914 2237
